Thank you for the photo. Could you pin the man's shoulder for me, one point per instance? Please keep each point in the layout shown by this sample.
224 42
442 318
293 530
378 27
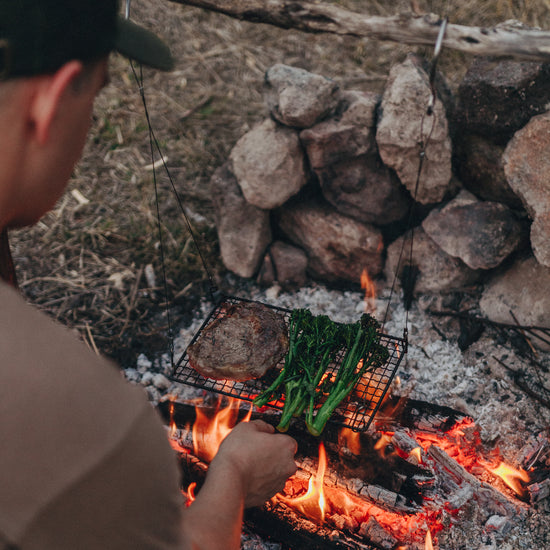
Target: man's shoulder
64 410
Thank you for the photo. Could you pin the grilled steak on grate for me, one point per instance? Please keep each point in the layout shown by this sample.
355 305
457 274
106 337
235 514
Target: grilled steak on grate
245 343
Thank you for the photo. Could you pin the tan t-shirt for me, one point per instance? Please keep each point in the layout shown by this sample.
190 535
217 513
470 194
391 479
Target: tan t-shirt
84 459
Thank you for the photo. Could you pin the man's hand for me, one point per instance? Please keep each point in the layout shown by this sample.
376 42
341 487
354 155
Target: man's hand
263 460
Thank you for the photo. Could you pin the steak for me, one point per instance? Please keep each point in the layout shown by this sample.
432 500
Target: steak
245 343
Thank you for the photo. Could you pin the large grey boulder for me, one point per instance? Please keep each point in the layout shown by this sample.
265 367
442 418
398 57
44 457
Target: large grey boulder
526 163
437 270
298 98
364 189
284 264
268 162
347 134
244 230
480 169
498 97
481 233
522 290
338 248
403 126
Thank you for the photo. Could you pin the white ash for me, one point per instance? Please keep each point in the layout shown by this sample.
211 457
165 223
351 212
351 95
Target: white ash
434 370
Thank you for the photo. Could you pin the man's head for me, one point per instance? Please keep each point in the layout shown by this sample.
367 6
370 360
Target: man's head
39 36
53 62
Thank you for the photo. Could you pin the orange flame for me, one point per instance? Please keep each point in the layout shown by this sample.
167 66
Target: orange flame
208 433
313 504
173 426
351 440
512 477
367 284
190 494
428 544
382 443
416 456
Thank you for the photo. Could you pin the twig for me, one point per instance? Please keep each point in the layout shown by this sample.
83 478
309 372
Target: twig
527 328
522 332
131 302
518 377
91 338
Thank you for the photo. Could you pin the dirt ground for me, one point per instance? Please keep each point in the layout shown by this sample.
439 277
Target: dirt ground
90 262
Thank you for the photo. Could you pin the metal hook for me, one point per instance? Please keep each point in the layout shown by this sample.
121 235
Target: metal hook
439 41
437 51
127 12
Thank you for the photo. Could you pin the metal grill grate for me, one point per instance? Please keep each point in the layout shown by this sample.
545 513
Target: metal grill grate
355 413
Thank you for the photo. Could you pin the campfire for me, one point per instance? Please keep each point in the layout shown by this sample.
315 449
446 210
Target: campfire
409 479
395 486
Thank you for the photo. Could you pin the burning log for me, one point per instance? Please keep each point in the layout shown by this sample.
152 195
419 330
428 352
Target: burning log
379 475
493 500
276 520
379 488
373 494
416 414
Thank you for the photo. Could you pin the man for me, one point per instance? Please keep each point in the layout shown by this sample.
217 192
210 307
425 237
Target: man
84 461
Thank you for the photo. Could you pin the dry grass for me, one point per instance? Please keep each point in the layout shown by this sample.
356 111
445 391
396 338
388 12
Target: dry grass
84 262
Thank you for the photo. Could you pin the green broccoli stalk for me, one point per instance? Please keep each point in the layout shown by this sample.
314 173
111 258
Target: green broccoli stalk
298 320
315 348
314 344
363 354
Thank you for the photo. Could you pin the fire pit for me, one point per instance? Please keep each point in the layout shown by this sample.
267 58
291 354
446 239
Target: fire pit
430 462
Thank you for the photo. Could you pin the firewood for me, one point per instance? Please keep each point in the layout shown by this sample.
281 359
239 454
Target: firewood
505 40
492 499
539 491
277 521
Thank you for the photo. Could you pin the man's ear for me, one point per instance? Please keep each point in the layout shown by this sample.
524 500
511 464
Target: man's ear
48 98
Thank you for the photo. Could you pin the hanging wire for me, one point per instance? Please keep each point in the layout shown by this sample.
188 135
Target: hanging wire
152 143
410 275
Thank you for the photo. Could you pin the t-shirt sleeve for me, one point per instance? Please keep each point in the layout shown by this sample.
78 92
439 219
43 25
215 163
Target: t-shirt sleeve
129 501
85 460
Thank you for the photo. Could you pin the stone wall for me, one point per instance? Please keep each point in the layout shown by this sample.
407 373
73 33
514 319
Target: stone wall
328 185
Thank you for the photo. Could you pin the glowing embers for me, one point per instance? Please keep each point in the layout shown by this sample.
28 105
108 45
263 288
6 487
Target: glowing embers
350 484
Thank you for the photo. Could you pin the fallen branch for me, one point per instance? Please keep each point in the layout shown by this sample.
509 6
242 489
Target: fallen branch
519 379
533 330
511 40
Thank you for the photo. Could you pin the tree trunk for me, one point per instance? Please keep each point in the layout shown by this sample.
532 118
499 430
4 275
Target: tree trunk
512 41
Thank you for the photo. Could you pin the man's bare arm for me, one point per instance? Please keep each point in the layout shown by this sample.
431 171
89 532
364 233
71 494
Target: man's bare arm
252 465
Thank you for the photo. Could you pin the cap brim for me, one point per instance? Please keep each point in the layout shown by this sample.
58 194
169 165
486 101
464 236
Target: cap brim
143 46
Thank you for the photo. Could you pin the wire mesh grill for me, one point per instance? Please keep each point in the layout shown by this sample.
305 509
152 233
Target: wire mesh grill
355 413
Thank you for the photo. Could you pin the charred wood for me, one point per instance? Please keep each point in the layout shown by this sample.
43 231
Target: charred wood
416 414
275 520
539 491
493 500
280 523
